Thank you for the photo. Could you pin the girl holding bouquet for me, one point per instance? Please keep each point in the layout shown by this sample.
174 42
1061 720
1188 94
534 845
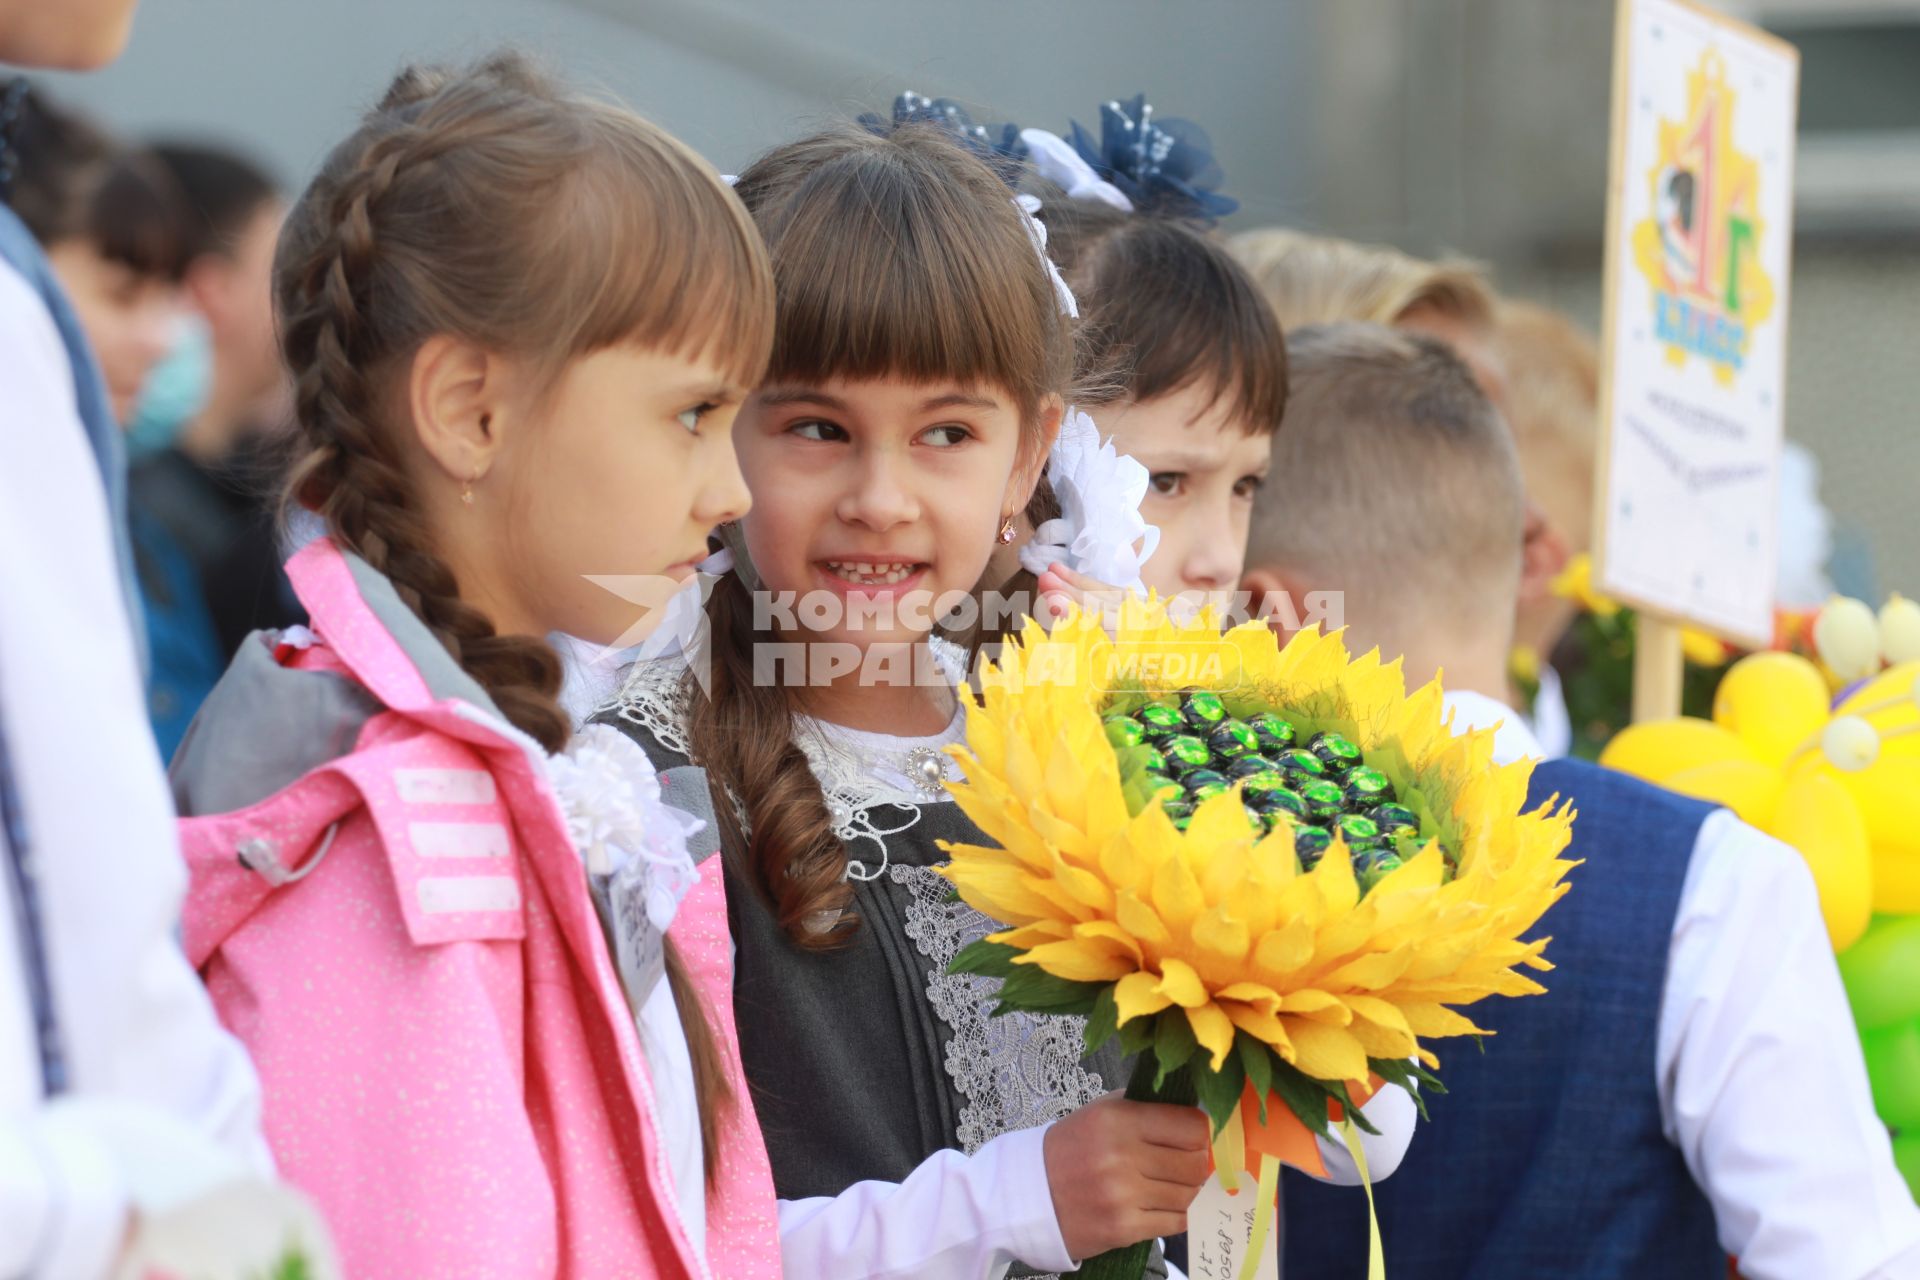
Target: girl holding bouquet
922 355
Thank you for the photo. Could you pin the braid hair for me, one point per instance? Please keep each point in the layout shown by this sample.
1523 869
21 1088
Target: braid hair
491 205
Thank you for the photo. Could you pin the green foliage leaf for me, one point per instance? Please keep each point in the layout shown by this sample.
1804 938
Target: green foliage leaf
1031 989
1103 1023
1173 1042
1136 1037
1218 1091
291 1265
1256 1059
988 959
1338 1089
1305 1097
1408 1075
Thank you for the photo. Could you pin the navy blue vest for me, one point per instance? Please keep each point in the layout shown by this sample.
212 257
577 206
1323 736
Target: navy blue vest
19 250
1545 1157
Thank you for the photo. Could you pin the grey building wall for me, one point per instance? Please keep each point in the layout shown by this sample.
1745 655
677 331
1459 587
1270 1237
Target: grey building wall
1470 125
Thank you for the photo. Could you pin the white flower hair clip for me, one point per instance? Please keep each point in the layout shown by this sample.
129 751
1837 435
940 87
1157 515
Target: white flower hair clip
1029 207
1055 159
633 843
1100 531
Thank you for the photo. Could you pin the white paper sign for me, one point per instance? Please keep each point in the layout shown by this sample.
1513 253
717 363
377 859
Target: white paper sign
1219 1229
1699 235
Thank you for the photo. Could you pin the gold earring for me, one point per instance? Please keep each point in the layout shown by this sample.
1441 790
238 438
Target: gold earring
466 490
1006 531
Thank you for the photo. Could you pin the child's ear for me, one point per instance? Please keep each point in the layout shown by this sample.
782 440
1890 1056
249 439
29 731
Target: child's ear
455 396
1275 597
1543 554
1264 592
1033 455
207 285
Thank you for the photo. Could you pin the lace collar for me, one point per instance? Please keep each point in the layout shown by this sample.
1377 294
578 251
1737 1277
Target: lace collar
874 783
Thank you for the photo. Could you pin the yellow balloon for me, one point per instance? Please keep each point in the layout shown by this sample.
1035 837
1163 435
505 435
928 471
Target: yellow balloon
1750 789
1819 818
1658 749
1886 795
1894 686
1896 883
1775 702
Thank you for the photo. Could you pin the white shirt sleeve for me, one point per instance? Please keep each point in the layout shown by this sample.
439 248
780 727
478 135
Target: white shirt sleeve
158 1091
956 1217
1762 1085
63 1207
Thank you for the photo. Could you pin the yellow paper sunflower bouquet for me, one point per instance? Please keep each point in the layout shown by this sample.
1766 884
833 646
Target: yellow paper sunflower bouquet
1269 872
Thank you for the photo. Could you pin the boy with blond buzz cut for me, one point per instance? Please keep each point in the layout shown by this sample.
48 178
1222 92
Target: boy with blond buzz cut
1309 279
1526 360
1690 1085
1336 525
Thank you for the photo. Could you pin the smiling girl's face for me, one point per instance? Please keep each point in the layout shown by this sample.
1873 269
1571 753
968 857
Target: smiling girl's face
887 495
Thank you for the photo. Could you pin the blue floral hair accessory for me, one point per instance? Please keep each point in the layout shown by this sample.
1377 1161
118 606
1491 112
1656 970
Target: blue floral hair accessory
1000 146
1163 165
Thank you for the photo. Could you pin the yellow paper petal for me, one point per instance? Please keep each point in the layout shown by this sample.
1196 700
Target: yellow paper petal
1137 995
1213 1030
1325 1052
1180 984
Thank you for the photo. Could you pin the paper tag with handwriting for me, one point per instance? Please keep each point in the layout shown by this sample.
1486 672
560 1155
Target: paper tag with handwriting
1219 1229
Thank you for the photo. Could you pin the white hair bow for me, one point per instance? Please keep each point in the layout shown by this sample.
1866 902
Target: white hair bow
1054 159
1099 531
1029 206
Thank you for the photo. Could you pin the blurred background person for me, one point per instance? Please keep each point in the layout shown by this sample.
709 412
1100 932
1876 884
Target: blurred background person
116 1083
209 438
116 228
1313 280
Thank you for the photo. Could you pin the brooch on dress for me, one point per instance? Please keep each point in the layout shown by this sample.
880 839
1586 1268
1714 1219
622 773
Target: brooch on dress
927 770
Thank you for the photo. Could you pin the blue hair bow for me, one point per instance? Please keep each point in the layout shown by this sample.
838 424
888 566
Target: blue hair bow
1165 166
1000 146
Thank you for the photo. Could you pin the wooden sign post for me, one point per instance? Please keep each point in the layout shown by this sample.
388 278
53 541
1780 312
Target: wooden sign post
1692 393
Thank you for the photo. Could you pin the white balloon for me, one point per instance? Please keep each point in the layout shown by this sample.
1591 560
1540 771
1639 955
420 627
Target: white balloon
1848 637
1850 744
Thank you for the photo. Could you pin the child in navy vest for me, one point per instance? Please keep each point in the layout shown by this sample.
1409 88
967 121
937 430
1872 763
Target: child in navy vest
1690 1086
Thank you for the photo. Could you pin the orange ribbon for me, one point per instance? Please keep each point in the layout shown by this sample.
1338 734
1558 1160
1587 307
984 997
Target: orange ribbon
1284 1137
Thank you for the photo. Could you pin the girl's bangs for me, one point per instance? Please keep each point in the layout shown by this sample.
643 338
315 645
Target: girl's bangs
663 256
877 276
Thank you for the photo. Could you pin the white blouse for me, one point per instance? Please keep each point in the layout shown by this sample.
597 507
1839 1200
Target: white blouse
161 1100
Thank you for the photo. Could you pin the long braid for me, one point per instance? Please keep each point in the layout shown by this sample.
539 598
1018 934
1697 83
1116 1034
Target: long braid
355 481
742 732
411 230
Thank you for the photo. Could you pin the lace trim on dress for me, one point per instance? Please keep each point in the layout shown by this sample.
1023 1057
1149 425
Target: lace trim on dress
654 696
1015 1071
859 773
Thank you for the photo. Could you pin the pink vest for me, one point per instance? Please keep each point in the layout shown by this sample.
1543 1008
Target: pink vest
450 1067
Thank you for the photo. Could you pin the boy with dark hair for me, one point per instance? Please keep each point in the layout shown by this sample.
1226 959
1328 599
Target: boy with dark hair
1186 372
1690 1085
212 461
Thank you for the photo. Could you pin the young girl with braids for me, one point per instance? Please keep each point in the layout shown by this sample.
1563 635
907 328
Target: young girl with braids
920 358
520 323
